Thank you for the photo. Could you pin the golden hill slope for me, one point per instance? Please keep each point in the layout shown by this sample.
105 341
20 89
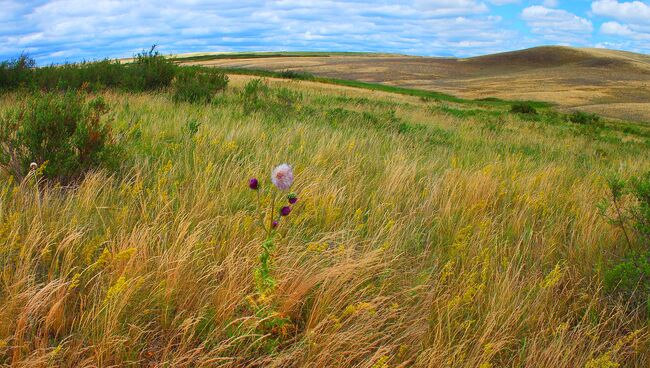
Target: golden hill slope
612 83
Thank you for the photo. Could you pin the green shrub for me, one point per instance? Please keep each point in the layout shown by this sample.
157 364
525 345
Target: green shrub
640 188
580 117
409 128
16 73
523 108
277 103
630 277
292 74
192 127
104 74
82 76
439 136
254 95
149 71
286 97
490 99
63 132
197 86
494 124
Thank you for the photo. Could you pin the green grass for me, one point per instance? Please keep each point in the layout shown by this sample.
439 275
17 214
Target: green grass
485 106
437 96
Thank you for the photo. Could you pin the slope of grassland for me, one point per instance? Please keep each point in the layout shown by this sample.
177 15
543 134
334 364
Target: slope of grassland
427 234
608 82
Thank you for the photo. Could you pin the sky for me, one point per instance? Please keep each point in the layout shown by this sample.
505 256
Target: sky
58 31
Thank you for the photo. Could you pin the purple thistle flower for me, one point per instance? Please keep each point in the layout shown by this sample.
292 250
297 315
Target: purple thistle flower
285 211
274 224
292 197
253 184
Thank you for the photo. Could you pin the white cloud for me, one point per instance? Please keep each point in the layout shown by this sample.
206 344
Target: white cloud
557 25
59 30
503 2
631 26
616 29
118 28
632 12
622 30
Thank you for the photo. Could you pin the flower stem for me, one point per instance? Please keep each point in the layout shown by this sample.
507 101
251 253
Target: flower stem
38 192
260 213
272 210
622 222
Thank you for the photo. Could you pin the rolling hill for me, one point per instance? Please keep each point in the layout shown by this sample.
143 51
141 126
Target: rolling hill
611 83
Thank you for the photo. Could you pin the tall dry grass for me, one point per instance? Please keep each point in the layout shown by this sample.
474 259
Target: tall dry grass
481 250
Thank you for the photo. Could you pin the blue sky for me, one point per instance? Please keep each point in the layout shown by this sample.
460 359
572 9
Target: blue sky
57 31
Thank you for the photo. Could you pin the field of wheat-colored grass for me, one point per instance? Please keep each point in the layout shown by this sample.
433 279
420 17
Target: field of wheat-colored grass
608 82
453 241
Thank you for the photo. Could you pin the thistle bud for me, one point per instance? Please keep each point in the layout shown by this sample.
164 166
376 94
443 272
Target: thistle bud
285 211
253 184
274 224
292 197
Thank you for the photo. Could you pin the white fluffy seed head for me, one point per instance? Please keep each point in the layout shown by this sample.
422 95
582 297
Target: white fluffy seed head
33 166
282 177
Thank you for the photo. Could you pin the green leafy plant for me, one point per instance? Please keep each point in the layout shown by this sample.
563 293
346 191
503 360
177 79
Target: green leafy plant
257 96
192 127
292 74
16 73
580 117
287 98
198 86
264 303
149 71
629 278
523 108
254 95
494 124
282 178
66 133
92 76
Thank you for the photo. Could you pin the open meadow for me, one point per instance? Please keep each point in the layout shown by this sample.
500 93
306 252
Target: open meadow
426 233
607 82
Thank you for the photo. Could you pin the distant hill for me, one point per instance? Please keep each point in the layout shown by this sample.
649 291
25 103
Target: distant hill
608 82
557 56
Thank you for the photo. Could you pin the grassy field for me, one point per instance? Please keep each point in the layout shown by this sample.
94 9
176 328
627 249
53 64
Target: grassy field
428 233
611 83
257 55
424 94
